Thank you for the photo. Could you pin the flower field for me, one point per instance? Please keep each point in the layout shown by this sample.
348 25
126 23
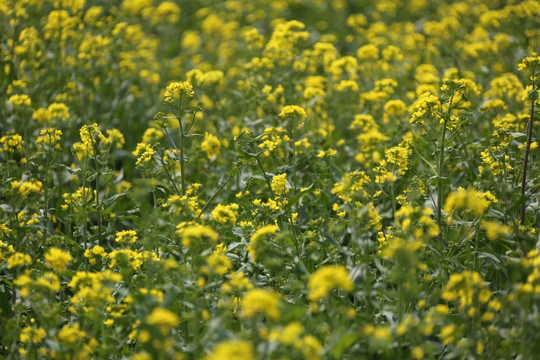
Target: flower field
269 179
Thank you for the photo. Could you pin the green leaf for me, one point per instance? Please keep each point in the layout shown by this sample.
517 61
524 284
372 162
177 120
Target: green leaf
484 255
110 200
5 296
518 134
440 180
294 199
192 135
343 344
233 172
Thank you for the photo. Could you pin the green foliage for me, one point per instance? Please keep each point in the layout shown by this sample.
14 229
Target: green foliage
215 180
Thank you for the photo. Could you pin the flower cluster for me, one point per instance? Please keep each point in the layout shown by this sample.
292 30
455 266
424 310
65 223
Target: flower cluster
269 179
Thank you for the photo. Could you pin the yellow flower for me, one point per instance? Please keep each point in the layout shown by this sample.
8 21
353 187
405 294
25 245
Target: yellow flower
20 100
529 62
233 350
417 353
211 145
195 232
426 105
448 334
10 143
29 333
382 333
290 333
152 136
368 52
311 347
327 278
28 187
71 333
166 11
292 111
114 136
58 110
260 301
224 214
470 199
219 261
238 281
258 238
57 259
467 289
176 89
49 136
494 229
19 259
165 319
126 236
143 355
91 135
279 182
49 281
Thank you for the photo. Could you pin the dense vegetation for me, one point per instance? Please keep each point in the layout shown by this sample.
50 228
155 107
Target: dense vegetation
269 179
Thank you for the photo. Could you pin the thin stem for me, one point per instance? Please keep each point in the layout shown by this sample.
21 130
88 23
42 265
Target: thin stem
393 193
535 190
213 196
182 140
182 166
294 158
164 164
98 205
440 166
261 169
424 159
46 195
526 160
85 200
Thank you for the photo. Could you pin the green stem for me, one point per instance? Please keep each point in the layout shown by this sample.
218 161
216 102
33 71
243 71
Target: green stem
440 167
164 164
84 199
182 165
526 160
46 198
213 196
182 140
394 206
98 205
261 169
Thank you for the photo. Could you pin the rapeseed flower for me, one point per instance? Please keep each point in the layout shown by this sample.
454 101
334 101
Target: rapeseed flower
176 89
10 143
327 278
279 182
126 236
164 319
258 239
232 349
211 145
291 111
225 214
260 301
58 259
